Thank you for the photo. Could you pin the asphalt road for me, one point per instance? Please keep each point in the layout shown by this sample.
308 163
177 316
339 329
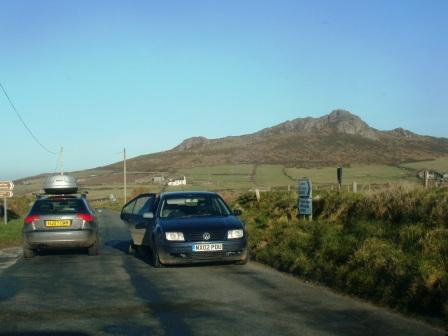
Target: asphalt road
118 294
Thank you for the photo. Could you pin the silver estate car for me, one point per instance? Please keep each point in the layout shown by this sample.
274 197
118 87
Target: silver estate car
60 222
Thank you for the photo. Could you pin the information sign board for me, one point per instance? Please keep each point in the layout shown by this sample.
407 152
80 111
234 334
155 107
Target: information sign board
306 206
305 187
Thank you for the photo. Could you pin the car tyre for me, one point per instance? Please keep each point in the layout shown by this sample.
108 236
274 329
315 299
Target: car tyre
155 261
132 249
243 261
28 252
94 249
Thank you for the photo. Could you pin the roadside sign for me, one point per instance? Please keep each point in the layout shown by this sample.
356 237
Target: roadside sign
339 174
6 193
305 188
306 206
6 185
6 188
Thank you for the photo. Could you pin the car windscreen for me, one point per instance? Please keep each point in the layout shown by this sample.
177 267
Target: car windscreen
58 206
192 206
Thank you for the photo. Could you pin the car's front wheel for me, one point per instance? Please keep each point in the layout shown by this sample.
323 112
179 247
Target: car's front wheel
244 260
132 248
155 260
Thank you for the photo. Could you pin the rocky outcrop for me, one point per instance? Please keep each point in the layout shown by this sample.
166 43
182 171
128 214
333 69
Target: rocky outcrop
192 143
338 121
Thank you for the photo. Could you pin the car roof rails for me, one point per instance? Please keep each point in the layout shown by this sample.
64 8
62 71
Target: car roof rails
40 195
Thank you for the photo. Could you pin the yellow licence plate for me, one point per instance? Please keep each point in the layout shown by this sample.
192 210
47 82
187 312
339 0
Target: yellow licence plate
62 222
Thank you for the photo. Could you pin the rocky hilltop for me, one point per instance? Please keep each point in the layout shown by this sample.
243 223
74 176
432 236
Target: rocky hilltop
339 137
338 121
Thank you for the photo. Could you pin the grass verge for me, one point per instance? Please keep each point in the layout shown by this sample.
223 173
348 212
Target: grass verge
11 233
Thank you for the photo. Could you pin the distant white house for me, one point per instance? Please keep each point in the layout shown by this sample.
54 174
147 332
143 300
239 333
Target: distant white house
178 182
433 175
158 179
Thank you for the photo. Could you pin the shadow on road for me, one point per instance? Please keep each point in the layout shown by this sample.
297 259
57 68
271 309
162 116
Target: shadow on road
120 245
44 333
61 252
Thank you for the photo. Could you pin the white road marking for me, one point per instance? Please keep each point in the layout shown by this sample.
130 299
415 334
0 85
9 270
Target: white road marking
9 257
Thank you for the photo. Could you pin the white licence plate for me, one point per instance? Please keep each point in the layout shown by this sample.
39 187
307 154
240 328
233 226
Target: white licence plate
207 247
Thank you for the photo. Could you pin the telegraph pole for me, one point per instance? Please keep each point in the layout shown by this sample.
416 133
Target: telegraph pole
5 210
61 158
124 173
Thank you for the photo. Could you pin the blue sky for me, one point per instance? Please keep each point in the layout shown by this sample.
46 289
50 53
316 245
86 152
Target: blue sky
97 76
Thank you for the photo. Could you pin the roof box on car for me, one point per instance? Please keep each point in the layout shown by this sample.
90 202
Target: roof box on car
60 184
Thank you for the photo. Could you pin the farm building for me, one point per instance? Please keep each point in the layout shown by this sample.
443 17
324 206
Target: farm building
158 179
178 182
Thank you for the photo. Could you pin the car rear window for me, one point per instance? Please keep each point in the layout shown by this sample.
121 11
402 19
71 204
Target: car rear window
58 206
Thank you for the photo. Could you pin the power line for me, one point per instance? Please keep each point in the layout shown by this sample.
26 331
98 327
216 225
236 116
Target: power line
25 125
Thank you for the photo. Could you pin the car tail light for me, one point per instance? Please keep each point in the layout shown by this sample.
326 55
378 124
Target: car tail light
31 218
86 217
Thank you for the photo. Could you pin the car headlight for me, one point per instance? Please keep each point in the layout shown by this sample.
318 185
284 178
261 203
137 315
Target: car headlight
235 234
174 236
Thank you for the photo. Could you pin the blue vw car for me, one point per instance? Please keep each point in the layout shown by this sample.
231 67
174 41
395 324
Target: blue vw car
186 227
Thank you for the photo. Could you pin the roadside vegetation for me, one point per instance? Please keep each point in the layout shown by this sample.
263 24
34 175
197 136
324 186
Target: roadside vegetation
11 233
390 247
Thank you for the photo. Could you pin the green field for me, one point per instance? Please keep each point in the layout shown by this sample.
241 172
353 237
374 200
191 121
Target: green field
272 176
440 165
218 177
361 174
242 177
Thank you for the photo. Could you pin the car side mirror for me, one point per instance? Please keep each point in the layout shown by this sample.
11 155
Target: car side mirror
148 215
122 215
237 212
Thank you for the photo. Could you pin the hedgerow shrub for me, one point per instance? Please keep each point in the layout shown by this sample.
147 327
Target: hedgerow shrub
390 247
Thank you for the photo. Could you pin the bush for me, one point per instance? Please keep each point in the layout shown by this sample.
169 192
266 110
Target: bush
390 246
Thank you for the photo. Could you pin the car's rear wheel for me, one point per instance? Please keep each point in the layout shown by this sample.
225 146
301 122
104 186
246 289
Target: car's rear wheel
28 252
94 249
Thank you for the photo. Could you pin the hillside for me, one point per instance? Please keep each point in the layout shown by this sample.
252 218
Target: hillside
339 137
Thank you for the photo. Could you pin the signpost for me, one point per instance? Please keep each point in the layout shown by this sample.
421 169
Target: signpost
6 193
6 188
6 185
339 176
305 197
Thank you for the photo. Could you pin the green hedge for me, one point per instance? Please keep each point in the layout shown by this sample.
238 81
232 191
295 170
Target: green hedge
11 233
390 247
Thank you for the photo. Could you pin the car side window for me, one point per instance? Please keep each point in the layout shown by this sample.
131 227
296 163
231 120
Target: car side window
148 206
128 208
141 205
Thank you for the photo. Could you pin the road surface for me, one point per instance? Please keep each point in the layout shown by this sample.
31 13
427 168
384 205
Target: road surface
119 294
